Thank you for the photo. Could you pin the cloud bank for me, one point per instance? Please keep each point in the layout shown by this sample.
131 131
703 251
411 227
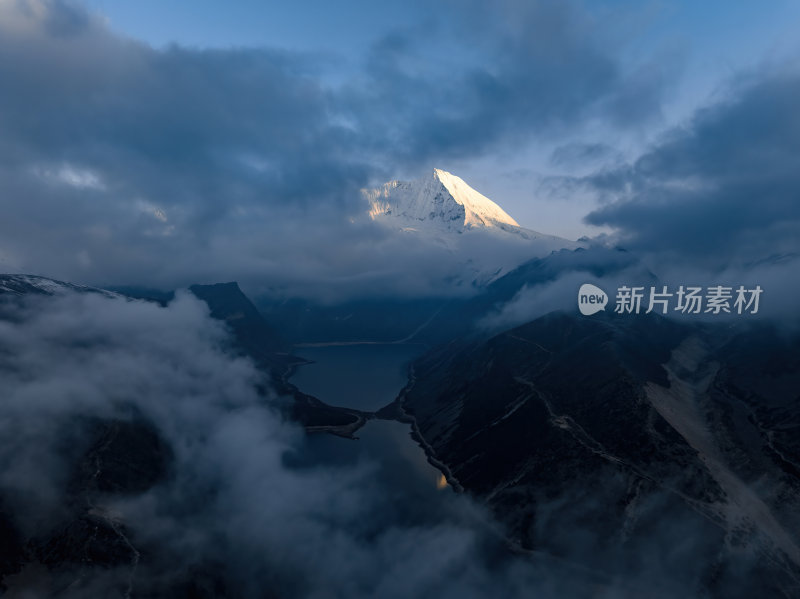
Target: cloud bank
720 191
238 511
121 163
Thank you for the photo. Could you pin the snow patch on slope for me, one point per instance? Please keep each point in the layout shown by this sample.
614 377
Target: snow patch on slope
24 284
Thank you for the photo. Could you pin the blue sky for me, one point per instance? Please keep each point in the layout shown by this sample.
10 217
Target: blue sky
172 142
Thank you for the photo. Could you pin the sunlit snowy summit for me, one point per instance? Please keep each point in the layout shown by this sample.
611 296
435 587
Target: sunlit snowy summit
444 203
442 211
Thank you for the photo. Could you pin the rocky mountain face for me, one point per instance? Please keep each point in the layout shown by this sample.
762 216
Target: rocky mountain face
603 438
227 303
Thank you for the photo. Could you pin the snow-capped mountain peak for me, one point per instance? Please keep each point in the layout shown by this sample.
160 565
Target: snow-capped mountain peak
441 199
440 210
479 210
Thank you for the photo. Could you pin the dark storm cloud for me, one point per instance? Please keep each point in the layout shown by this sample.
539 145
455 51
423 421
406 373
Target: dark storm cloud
723 190
517 69
121 163
715 202
178 124
582 154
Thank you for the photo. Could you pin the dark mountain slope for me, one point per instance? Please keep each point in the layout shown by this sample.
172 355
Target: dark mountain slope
609 429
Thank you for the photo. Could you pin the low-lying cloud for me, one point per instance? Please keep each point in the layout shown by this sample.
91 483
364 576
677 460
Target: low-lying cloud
232 515
775 277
